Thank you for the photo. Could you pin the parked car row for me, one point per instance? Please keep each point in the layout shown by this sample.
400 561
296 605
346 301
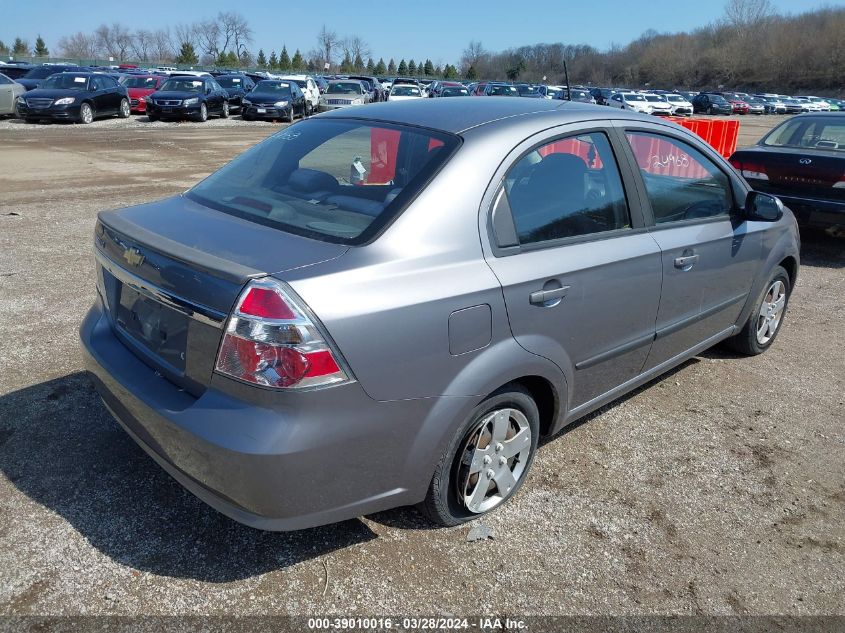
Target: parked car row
165 92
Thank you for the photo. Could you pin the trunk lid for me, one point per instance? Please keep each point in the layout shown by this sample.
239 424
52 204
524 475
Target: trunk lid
797 172
170 271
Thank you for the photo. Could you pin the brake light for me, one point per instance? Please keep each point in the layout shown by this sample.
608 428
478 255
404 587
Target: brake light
271 341
754 171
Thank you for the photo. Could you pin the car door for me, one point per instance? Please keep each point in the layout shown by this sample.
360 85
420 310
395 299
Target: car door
100 96
579 271
709 255
7 96
113 89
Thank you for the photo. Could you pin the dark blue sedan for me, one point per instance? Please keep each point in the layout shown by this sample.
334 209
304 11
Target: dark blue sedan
80 97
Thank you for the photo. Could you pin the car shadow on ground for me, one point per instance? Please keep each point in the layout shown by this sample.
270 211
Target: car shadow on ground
822 249
60 447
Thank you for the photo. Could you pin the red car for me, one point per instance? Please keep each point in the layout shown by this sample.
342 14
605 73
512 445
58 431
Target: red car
737 104
140 86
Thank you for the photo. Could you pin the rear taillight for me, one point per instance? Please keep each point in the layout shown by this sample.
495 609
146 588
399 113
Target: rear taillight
271 341
753 171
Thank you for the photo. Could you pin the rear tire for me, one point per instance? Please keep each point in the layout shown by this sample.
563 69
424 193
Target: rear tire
460 489
765 321
225 113
124 111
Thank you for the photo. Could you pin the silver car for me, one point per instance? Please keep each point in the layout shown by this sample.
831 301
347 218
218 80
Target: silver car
392 306
9 92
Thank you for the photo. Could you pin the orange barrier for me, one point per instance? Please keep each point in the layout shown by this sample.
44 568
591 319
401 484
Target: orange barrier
721 134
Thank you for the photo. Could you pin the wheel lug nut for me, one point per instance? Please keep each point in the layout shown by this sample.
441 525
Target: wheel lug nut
502 460
490 473
487 459
499 447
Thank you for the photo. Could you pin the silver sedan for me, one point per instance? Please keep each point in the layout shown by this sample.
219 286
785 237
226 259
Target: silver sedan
392 306
9 91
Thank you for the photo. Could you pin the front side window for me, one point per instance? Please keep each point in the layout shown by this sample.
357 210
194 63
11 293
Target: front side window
567 188
682 183
332 179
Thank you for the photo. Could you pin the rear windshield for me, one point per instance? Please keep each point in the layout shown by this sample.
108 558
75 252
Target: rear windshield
455 92
819 133
335 180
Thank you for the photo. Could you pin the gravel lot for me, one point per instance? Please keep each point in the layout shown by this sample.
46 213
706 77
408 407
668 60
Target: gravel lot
719 489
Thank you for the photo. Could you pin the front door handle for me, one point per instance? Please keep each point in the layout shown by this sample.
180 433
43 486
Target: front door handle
686 262
543 297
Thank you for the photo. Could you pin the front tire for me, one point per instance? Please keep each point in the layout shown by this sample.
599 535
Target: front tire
202 117
124 111
486 460
765 320
290 114
86 114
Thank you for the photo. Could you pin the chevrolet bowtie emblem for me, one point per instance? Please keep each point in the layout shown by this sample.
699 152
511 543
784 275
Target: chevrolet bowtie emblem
133 257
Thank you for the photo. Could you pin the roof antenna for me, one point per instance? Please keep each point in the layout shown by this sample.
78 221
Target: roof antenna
566 77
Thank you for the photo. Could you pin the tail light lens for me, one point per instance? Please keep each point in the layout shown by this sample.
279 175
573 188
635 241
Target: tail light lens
271 341
751 170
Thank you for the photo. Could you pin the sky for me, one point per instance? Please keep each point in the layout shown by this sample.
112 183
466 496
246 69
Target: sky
434 29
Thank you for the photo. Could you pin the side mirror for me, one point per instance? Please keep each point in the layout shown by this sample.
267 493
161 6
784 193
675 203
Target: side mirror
762 207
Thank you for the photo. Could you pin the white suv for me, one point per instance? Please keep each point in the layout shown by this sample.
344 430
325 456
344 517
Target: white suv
309 89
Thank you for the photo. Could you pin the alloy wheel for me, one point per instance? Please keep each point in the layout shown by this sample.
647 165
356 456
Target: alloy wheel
494 456
85 113
771 312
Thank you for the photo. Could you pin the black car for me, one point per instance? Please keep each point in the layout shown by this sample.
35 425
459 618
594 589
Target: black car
80 97
527 90
709 103
34 76
601 95
802 162
275 99
498 89
15 71
373 86
236 85
188 97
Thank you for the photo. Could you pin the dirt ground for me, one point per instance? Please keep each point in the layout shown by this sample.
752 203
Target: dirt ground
718 489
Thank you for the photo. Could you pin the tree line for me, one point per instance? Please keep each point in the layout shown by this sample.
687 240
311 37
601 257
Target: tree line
750 47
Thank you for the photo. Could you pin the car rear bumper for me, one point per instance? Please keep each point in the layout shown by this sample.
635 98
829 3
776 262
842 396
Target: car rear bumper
272 461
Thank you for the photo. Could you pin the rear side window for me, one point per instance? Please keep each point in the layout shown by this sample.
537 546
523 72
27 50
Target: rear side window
567 188
335 180
682 183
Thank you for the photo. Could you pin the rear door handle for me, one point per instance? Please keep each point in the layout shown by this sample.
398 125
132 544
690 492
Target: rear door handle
542 297
686 262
